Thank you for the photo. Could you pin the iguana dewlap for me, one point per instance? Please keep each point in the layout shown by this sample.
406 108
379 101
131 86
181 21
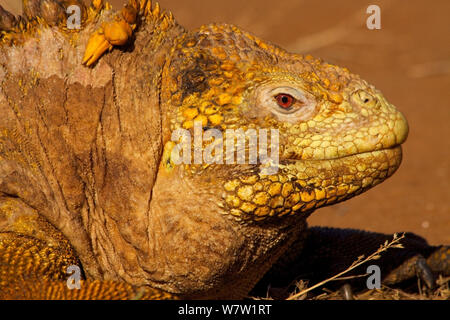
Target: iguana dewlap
87 175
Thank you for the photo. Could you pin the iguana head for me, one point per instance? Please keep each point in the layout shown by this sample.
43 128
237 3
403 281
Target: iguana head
337 134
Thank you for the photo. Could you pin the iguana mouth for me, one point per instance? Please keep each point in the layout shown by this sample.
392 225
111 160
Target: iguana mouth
365 169
369 168
395 151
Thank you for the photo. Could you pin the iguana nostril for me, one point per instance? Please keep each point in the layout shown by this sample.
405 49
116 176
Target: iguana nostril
363 98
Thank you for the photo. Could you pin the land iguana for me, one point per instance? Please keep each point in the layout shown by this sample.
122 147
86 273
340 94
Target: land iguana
88 175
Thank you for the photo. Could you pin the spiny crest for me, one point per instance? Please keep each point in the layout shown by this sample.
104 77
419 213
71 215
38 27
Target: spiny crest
54 13
36 14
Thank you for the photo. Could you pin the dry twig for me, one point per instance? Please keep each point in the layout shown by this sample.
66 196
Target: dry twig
395 243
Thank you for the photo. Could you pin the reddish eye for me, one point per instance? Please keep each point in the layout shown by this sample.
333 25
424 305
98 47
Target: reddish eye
284 100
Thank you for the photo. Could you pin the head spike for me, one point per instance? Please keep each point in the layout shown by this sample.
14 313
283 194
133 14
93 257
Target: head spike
164 23
52 12
97 4
31 9
21 23
134 4
129 13
148 9
7 20
156 10
143 5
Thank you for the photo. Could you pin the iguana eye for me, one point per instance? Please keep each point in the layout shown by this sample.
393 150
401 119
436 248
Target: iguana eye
285 101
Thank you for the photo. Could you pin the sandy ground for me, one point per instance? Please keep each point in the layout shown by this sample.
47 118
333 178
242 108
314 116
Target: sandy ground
408 60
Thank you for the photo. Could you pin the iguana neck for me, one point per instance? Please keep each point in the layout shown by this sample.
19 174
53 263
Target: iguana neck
126 156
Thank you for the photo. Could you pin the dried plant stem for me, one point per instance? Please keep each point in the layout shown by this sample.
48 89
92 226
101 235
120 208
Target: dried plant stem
376 255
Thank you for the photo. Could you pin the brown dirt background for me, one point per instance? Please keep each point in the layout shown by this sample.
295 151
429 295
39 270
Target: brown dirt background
408 60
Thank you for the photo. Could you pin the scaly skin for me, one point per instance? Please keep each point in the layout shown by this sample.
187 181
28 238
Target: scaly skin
87 172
